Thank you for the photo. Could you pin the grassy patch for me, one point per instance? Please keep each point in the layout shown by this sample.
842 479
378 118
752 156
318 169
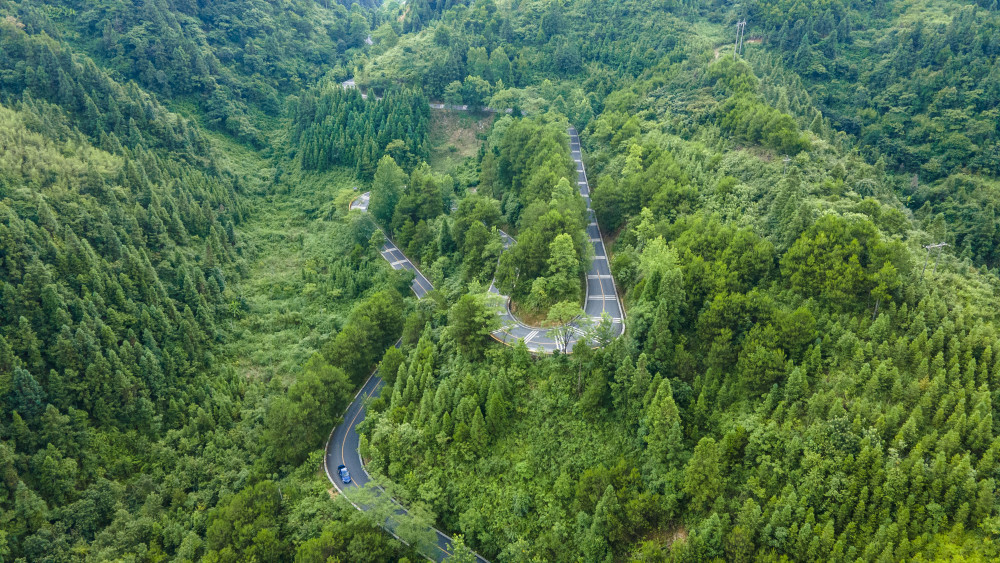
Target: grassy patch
293 299
529 316
455 136
929 12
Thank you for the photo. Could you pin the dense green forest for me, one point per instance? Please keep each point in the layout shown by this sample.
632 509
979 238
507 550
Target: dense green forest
530 172
129 429
235 59
187 306
327 125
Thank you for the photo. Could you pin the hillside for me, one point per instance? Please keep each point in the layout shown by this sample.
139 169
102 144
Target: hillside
188 307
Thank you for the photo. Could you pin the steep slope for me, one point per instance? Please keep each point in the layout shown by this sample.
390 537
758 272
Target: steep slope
134 425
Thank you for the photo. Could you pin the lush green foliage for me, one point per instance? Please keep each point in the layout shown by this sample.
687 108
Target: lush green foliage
233 57
525 185
792 381
114 274
928 93
337 127
184 315
526 166
129 410
915 88
541 54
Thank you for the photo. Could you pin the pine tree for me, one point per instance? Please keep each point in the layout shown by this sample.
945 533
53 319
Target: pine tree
478 435
497 409
797 386
460 552
27 395
387 188
702 479
563 269
740 544
446 244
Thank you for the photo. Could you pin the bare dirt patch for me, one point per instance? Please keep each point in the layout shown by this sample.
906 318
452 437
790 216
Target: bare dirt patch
665 537
529 317
680 534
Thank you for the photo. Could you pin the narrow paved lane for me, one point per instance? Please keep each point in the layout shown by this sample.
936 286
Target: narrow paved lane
421 286
601 293
342 449
602 297
343 446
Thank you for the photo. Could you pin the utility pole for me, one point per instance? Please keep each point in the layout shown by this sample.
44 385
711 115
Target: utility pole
743 35
930 247
741 27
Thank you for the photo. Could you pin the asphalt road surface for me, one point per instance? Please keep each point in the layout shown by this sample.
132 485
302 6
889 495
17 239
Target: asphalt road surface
342 448
601 294
602 297
421 285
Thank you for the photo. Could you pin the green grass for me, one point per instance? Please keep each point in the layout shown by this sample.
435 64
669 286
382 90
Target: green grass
454 137
291 309
705 34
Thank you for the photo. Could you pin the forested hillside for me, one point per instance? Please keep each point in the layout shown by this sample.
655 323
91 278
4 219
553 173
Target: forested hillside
529 171
128 428
918 92
232 58
187 307
779 390
339 128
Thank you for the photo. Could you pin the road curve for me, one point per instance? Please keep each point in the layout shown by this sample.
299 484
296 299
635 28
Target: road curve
421 286
342 448
601 294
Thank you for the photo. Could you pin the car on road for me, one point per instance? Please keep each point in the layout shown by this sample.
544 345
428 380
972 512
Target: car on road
345 476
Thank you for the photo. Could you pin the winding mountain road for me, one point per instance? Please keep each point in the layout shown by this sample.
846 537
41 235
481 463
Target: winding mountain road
601 293
342 448
601 297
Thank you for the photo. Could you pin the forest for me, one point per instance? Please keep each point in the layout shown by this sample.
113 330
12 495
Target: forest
187 306
327 125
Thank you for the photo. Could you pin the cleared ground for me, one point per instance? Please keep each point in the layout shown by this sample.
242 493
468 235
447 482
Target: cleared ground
455 136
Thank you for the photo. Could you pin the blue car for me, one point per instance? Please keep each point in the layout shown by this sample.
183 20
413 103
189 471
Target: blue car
345 476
